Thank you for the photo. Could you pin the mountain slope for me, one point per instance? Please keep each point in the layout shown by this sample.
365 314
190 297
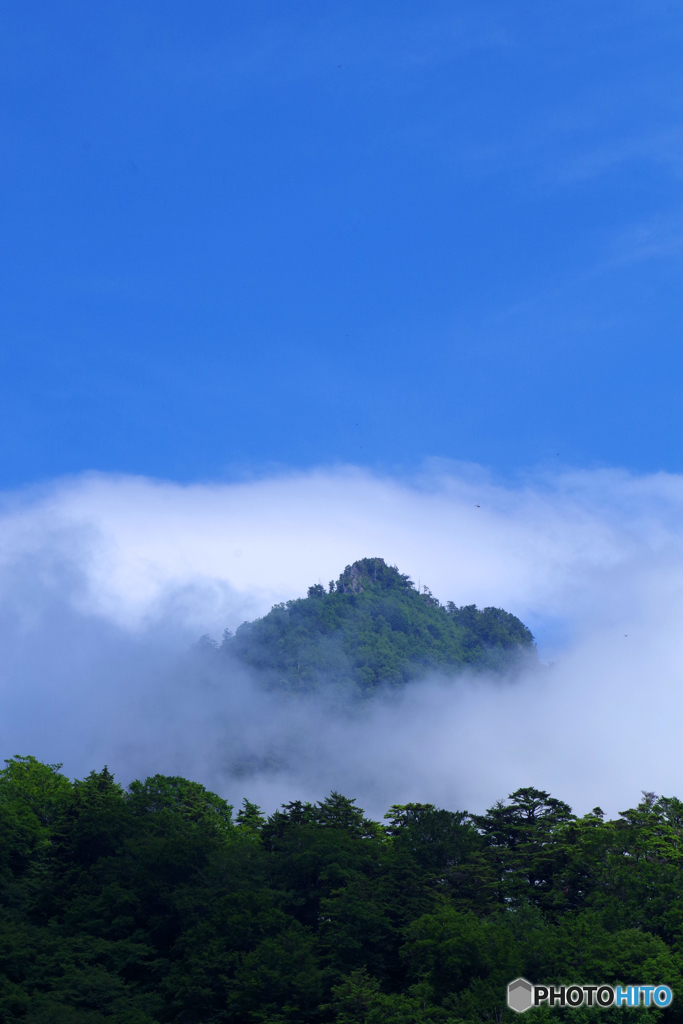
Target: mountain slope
370 628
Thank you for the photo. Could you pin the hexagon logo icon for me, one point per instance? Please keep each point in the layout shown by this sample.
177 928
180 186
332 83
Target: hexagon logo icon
519 995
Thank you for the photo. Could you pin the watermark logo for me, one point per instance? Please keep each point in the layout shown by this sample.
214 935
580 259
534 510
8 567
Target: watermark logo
522 995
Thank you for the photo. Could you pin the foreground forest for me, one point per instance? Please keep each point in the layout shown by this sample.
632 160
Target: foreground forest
158 904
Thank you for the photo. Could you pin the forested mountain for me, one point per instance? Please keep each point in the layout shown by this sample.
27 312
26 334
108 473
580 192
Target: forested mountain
373 627
156 904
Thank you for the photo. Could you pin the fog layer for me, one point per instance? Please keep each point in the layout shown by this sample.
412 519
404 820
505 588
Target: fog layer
105 582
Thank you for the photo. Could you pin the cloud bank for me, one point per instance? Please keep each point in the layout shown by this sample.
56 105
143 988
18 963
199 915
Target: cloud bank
106 581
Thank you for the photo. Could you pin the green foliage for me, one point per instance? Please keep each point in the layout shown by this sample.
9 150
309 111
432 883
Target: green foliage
31 797
520 836
151 905
372 627
249 819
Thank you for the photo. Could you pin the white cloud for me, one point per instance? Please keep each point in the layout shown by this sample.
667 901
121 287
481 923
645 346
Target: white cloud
104 582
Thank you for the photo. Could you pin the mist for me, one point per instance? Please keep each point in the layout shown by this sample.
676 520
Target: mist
106 582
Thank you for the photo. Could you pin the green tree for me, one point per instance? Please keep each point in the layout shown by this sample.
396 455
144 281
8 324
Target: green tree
521 836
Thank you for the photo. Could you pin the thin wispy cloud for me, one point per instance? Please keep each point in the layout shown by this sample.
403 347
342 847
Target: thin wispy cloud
663 148
660 238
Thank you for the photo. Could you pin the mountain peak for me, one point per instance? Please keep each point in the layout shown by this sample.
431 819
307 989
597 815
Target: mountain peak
372 628
371 572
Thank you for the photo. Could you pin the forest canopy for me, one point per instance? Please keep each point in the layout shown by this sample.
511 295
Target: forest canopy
157 903
373 627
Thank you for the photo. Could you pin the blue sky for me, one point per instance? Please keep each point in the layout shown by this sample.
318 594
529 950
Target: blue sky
239 236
